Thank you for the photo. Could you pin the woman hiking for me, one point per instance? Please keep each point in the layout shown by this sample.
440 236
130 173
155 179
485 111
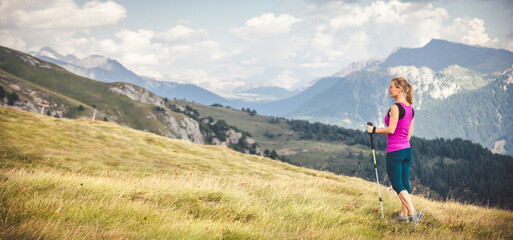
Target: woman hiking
399 121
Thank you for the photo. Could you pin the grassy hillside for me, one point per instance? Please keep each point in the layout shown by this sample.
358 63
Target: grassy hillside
308 153
63 88
62 178
455 168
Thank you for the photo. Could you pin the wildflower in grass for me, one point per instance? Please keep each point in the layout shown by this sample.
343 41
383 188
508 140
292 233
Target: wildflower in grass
176 171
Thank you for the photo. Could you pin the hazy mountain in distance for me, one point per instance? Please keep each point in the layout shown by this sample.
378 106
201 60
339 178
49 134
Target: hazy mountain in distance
284 106
190 92
47 53
357 66
104 69
263 93
439 54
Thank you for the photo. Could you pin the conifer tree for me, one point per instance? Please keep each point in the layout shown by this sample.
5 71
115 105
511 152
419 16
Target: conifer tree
12 98
2 92
274 155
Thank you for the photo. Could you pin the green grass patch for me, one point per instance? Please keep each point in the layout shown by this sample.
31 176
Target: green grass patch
112 182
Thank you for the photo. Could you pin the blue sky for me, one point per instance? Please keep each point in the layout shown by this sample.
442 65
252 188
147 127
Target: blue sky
228 44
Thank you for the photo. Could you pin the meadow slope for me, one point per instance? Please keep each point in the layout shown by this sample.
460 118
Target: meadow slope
84 179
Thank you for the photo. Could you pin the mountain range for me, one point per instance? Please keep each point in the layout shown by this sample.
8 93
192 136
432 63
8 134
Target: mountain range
439 54
479 91
440 72
108 70
441 166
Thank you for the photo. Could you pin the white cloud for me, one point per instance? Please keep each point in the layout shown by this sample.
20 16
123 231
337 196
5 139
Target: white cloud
391 12
12 41
175 51
355 17
271 39
201 78
469 31
136 51
29 25
265 25
336 33
59 14
285 80
181 32
249 61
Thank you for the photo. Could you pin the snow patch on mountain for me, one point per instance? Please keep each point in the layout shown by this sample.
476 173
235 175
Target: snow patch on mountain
95 61
426 82
49 54
509 76
357 66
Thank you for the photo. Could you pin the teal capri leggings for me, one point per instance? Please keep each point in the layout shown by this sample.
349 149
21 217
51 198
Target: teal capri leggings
398 169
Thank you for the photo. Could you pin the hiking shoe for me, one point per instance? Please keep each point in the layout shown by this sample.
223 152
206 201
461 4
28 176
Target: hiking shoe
400 218
417 218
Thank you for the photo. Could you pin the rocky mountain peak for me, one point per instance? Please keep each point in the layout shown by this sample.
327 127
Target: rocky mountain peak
508 75
96 61
49 52
357 66
439 54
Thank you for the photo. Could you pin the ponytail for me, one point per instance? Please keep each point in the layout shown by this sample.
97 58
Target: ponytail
409 94
407 88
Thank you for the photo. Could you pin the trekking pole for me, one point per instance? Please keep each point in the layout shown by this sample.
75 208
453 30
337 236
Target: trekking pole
376 169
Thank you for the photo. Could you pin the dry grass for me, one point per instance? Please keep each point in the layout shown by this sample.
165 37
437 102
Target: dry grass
70 179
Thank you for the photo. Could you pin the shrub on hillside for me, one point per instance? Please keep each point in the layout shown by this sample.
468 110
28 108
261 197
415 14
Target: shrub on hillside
12 98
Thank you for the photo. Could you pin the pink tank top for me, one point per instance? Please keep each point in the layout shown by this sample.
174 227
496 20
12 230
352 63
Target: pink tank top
399 139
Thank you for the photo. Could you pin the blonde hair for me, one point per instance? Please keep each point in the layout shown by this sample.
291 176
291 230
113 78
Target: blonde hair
406 87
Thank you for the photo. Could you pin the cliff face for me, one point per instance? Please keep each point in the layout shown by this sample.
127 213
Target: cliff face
33 99
137 94
182 127
186 129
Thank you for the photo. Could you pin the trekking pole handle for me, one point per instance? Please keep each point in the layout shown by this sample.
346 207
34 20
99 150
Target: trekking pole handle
371 139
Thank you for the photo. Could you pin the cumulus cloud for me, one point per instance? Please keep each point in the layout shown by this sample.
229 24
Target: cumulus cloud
249 61
136 51
469 31
59 14
29 25
265 25
12 41
175 51
326 35
200 77
271 39
341 32
181 33
143 51
285 80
